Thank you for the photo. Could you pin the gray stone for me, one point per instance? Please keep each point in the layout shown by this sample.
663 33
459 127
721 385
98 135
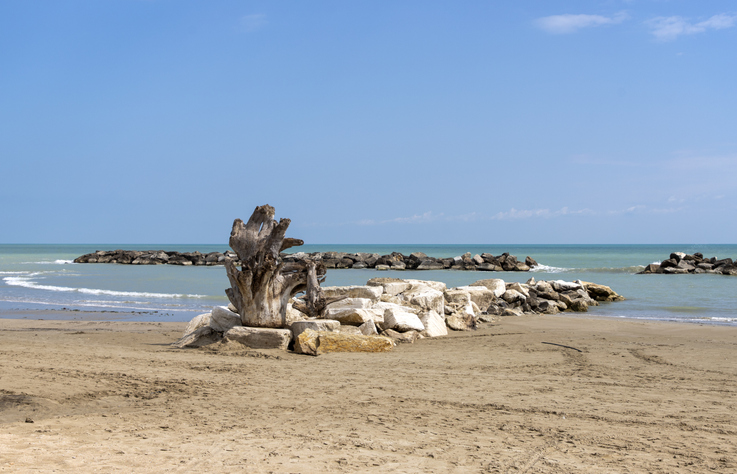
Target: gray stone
260 338
298 327
368 329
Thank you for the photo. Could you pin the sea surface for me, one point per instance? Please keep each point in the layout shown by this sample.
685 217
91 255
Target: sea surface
38 280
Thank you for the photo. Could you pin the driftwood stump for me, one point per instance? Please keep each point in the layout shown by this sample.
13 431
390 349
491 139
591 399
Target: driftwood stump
263 286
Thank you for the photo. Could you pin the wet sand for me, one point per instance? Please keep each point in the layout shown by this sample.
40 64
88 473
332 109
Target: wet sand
548 394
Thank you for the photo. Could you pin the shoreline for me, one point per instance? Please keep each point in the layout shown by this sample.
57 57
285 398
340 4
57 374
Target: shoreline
514 395
71 315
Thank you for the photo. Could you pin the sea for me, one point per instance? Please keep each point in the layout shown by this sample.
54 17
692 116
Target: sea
40 281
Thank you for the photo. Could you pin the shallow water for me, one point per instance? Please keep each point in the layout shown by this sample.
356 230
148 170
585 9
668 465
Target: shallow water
39 277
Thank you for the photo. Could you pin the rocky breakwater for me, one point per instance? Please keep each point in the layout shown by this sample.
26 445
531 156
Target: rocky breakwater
389 311
418 261
393 261
682 263
155 257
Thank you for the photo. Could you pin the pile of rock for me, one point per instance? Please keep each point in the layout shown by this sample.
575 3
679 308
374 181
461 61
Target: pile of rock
680 263
418 261
155 257
393 261
387 311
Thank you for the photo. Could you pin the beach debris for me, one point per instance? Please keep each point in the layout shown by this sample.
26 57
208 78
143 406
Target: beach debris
401 310
681 263
561 345
262 286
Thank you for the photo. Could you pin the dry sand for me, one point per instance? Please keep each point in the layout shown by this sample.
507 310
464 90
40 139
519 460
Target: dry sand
625 397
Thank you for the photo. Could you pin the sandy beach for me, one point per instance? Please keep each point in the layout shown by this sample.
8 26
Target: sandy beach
552 394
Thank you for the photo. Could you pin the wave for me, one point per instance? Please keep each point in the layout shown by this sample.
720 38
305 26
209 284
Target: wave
25 282
551 269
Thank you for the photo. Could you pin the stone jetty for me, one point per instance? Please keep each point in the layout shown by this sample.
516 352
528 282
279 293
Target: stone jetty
389 311
337 260
682 263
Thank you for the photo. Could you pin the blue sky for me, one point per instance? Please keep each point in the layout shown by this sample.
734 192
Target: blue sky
369 122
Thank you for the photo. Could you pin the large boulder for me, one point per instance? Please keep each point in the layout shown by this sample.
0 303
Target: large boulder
495 285
319 342
434 324
601 292
461 322
424 298
371 292
260 338
353 303
429 264
436 285
353 316
330 325
402 321
514 296
480 295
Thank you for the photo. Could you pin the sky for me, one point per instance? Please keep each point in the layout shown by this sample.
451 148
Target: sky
474 122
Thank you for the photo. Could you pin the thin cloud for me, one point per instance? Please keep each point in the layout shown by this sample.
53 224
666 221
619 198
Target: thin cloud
671 27
516 214
253 22
565 24
414 219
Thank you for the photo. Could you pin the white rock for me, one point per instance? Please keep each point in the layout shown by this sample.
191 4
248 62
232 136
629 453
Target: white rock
371 292
496 285
436 285
560 285
425 298
382 306
457 296
298 327
395 287
353 316
480 295
434 324
402 321
356 303
224 319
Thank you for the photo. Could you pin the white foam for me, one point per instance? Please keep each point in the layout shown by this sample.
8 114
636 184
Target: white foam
548 269
25 282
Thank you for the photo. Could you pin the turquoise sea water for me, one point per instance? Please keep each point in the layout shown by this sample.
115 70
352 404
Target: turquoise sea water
37 278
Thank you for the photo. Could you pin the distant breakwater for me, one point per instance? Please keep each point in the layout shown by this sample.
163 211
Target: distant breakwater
682 263
393 261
